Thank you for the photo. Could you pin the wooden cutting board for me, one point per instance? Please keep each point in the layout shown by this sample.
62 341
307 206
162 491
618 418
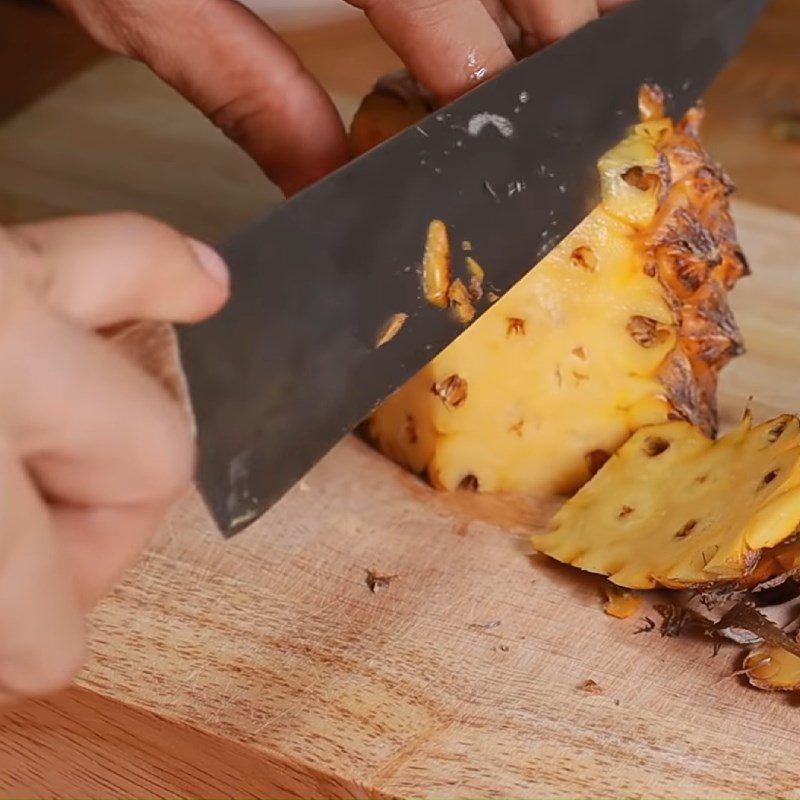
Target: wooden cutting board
266 667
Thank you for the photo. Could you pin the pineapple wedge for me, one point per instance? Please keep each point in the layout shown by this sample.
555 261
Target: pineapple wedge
674 508
625 324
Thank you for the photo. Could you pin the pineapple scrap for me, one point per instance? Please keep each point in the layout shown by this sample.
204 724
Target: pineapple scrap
773 669
436 265
460 300
377 582
621 605
674 508
438 285
774 663
775 567
624 324
476 278
390 329
475 269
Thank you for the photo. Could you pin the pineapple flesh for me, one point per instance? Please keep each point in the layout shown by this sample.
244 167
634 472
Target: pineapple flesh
621 604
773 669
624 324
674 508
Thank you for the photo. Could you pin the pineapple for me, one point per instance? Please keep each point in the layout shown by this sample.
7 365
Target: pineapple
625 324
396 102
775 567
621 604
773 669
674 508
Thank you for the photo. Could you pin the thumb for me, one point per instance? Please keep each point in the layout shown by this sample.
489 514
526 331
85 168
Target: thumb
109 269
238 72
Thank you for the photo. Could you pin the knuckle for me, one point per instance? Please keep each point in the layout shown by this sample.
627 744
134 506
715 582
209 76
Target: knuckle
112 25
235 116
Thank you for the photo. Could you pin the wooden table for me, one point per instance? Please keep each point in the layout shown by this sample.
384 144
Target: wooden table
265 666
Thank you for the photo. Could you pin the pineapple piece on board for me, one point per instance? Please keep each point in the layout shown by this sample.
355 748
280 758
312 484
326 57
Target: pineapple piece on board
674 508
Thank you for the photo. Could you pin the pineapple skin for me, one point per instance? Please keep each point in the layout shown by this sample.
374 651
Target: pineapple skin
624 324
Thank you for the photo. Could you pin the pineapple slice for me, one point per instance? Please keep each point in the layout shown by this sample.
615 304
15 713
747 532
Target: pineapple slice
674 508
625 324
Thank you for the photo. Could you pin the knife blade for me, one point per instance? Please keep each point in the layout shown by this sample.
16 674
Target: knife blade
291 365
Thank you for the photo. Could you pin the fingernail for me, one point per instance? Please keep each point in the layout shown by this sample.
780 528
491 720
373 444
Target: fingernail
211 261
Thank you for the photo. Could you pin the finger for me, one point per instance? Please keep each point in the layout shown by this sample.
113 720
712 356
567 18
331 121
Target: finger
41 625
448 45
504 21
113 268
228 63
545 21
94 430
101 543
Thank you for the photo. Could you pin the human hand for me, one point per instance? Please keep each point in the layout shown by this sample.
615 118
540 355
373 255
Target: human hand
92 450
237 71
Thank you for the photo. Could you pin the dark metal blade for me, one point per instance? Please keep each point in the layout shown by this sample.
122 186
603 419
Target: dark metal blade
291 365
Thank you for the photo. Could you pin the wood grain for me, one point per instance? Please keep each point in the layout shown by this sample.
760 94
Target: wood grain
265 666
89 746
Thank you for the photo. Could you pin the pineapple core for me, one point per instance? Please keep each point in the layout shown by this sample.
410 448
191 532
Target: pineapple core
624 324
674 508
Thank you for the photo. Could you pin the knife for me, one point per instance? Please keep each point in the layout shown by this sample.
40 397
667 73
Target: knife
291 365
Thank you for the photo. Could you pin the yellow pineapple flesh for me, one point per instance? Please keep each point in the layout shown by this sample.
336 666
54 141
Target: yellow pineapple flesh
775 567
621 604
773 669
674 508
624 324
